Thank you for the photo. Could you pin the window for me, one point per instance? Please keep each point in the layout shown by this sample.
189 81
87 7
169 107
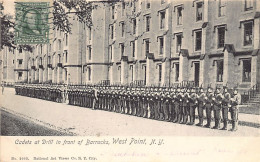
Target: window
248 33
40 60
221 37
59 44
59 58
132 73
122 29
222 8
89 73
133 48
134 26
148 4
179 15
147 22
119 71
89 52
161 45
20 62
66 39
160 72
49 59
123 8
147 47
220 71
113 12
89 33
177 72
66 56
20 75
122 47
162 20
249 5
41 49
112 31
199 11
246 71
20 50
178 42
111 51
198 39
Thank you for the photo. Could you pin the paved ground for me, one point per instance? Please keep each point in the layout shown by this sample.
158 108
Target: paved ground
84 121
13 125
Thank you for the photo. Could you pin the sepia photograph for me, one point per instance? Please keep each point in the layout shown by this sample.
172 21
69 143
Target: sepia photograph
129 68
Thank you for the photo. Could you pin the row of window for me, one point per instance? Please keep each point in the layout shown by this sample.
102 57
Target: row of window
248 40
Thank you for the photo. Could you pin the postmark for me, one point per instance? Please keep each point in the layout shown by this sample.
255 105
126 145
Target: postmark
32 22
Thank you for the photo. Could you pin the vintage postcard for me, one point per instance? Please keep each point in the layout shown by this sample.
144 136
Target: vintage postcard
130 80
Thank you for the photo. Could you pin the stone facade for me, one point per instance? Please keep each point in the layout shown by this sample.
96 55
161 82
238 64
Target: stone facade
163 42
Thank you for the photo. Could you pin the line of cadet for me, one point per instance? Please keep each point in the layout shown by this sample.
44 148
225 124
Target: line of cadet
54 93
177 105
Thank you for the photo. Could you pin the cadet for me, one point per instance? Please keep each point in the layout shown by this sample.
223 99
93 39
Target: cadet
217 107
209 106
226 105
185 105
201 107
193 105
235 101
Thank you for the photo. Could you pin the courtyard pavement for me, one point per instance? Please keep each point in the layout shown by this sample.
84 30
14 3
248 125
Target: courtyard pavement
87 122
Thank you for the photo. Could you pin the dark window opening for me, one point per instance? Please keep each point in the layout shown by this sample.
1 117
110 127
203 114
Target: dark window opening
248 33
246 70
147 47
161 45
134 26
148 23
160 72
177 72
198 40
221 37
199 11
220 71
162 22
249 5
179 16
122 49
222 8
178 42
133 48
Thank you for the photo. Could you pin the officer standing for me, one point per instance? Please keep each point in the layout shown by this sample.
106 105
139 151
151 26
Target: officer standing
226 106
235 101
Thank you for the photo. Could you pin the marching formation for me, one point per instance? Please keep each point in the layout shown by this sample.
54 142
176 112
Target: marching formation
177 105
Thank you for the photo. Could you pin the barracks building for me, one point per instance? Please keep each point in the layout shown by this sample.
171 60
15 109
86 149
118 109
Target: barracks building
163 42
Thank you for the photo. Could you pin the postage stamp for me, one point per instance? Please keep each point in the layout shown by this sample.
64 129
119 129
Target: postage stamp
32 22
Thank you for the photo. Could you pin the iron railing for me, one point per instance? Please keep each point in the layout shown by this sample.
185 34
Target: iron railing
246 96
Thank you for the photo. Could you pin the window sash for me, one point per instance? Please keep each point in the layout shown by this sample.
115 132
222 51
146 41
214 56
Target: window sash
178 42
221 37
161 45
248 33
220 67
199 11
179 16
198 40
162 23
